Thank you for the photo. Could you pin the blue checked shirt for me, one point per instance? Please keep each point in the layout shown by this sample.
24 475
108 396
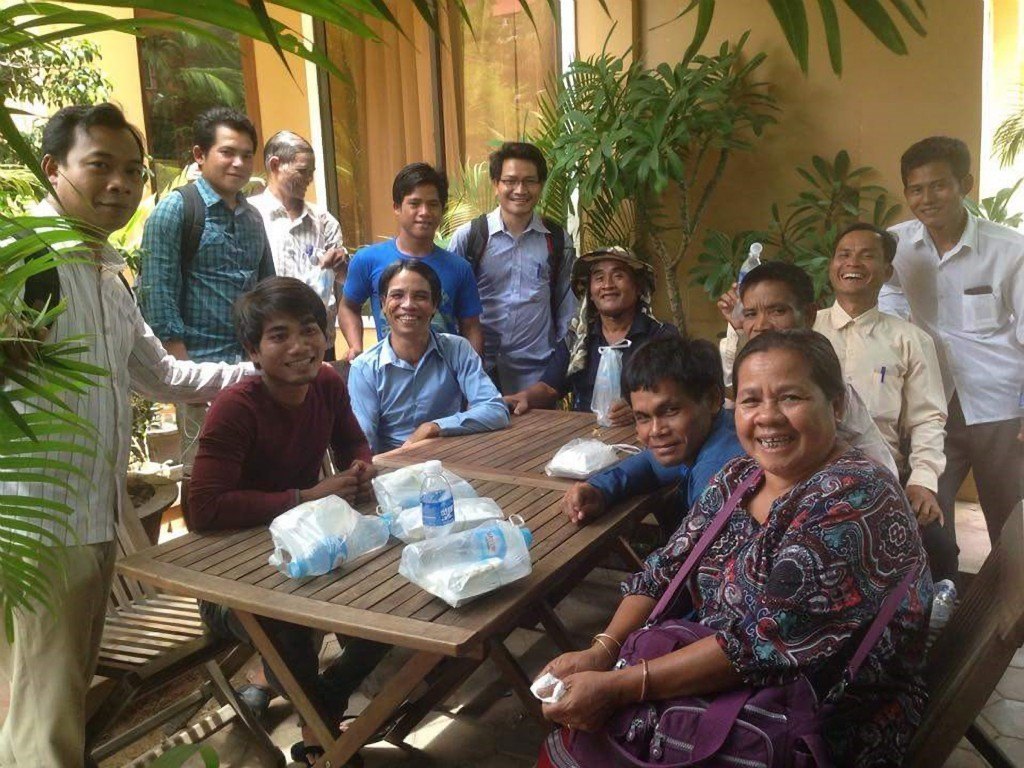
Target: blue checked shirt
233 256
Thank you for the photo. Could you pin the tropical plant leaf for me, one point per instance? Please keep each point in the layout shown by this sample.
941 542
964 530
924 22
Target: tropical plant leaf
705 13
792 17
833 36
880 23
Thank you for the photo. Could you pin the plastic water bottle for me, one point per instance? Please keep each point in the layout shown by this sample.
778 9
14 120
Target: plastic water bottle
436 501
466 565
942 605
331 552
753 260
474 546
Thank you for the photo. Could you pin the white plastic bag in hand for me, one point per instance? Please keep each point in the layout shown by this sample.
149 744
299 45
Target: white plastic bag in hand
583 456
608 384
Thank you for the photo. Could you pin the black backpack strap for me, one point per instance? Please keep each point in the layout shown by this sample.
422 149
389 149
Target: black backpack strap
193 221
556 262
476 243
43 288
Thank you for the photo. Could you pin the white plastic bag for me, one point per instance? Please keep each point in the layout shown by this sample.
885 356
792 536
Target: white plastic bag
318 536
462 566
583 456
548 688
400 489
608 384
407 524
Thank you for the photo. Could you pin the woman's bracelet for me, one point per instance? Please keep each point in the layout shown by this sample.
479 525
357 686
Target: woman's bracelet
599 639
643 683
606 636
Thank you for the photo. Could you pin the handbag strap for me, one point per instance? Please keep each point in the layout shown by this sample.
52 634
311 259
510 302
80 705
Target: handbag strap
889 607
709 535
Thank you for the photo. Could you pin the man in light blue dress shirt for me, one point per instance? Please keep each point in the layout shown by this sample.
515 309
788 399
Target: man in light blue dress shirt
523 264
418 383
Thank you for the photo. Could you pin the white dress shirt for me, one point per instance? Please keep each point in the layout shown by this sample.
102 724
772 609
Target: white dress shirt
298 244
970 300
102 311
892 365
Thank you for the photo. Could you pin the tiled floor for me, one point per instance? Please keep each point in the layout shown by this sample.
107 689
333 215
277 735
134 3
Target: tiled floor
482 728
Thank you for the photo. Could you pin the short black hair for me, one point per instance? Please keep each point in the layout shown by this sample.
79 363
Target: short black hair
59 131
518 150
795 278
417 174
285 145
888 239
693 364
816 350
276 296
204 129
944 149
410 265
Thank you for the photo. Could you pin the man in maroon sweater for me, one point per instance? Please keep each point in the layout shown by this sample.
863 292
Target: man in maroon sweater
260 453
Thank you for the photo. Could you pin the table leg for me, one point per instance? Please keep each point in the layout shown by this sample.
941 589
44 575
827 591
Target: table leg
379 710
633 560
325 732
516 677
453 674
554 627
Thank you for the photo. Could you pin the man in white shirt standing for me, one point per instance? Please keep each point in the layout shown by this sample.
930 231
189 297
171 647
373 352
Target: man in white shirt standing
96 163
961 279
892 365
304 237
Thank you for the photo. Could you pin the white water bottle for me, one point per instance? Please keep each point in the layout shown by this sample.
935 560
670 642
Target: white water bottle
752 261
474 546
942 605
436 501
369 533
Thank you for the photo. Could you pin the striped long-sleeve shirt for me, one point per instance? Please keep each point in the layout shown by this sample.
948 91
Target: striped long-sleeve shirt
102 311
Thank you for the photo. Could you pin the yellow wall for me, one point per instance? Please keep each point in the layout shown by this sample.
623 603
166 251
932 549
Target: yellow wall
881 105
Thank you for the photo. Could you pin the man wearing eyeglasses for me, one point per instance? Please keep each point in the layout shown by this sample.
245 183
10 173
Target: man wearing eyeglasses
522 263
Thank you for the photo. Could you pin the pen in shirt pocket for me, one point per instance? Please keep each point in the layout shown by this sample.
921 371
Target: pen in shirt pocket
880 375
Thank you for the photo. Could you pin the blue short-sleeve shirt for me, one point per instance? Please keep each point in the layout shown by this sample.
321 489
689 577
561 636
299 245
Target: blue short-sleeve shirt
459 296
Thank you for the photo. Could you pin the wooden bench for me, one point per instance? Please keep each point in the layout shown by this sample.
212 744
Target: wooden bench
151 640
973 652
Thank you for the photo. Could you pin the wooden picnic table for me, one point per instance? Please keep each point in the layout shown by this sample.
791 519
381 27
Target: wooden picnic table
517 453
371 600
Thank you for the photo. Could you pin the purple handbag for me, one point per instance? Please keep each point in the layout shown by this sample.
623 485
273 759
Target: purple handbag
773 727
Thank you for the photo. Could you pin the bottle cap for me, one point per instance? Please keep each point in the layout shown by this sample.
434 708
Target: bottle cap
527 536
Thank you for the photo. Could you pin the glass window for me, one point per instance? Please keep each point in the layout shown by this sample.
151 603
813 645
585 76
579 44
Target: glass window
182 75
445 99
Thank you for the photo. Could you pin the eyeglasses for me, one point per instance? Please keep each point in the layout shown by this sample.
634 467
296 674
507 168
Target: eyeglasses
510 183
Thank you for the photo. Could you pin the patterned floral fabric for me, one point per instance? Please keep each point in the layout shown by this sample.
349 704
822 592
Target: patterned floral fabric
796 594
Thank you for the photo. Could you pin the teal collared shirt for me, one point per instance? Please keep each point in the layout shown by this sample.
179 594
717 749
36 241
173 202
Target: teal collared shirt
195 308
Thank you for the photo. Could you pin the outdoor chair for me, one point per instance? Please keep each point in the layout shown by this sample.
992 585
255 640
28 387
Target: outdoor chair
150 641
973 652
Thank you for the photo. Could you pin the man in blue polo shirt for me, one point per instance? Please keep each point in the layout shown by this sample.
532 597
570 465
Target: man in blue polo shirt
419 193
677 394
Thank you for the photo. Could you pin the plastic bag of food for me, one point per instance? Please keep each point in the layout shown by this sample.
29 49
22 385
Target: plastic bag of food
583 456
400 489
407 524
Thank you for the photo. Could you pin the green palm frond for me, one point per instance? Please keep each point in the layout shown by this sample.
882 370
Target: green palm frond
470 194
38 378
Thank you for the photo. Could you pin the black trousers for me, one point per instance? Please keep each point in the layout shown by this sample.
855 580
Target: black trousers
996 457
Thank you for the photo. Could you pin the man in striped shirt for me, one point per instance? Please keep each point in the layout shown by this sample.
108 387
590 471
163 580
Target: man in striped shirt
304 237
95 161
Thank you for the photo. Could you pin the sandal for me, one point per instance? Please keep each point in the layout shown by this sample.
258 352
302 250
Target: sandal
304 755
256 698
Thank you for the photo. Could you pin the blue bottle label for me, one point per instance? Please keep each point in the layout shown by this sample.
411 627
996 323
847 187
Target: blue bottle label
491 542
438 510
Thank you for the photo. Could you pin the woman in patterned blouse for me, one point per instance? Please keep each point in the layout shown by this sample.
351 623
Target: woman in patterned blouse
794 578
